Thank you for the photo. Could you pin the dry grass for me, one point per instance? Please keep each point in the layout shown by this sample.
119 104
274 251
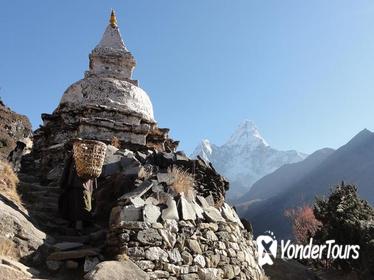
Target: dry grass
122 257
182 182
8 249
8 183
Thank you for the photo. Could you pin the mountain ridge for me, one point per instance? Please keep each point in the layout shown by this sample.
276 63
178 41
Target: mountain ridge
352 163
245 158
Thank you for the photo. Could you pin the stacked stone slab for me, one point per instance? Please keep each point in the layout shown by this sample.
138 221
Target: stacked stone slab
107 103
170 235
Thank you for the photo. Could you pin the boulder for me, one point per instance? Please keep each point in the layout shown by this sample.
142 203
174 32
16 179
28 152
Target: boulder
115 270
11 273
16 227
23 269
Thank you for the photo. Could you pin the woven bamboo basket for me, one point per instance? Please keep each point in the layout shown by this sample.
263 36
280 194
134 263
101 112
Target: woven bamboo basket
89 157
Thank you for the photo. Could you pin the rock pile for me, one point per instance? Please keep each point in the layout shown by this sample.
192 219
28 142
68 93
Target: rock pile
170 235
13 128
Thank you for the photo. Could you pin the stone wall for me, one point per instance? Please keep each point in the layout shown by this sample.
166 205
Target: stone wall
98 123
171 235
183 249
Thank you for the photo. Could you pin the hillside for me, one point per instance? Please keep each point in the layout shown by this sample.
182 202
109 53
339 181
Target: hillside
352 163
13 127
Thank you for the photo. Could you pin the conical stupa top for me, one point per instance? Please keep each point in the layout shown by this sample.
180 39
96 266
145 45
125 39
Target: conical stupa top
113 19
112 38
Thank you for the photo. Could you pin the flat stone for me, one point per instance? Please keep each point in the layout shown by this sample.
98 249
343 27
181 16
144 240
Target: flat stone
194 246
171 225
213 260
175 256
193 268
157 225
185 269
149 237
138 192
210 274
67 255
64 246
231 215
187 258
190 276
213 215
115 270
159 274
155 254
229 271
174 269
199 260
146 265
180 157
211 236
135 225
136 252
137 201
141 156
168 237
152 201
171 212
132 213
157 187
211 226
198 210
204 204
151 213
210 200
188 211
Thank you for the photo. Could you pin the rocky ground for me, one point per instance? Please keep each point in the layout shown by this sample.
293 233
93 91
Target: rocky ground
155 232
13 127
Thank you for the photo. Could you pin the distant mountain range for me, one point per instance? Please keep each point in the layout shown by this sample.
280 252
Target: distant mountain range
296 184
245 158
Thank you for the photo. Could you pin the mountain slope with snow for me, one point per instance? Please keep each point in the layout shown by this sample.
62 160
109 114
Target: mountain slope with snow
245 158
301 183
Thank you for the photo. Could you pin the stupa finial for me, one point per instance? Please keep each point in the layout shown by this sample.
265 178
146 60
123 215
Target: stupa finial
113 19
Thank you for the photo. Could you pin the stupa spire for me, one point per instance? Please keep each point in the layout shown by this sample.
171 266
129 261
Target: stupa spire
113 19
110 57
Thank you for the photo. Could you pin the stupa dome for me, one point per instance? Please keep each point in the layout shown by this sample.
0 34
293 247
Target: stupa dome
109 81
116 94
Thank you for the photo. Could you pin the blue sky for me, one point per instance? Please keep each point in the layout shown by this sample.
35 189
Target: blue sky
302 70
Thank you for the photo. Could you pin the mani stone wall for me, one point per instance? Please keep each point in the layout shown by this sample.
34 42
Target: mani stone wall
176 238
187 249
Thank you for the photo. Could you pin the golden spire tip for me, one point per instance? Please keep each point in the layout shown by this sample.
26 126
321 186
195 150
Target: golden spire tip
113 19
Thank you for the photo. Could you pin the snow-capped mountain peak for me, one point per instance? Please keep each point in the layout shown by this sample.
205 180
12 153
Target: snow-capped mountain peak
247 134
204 150
245 158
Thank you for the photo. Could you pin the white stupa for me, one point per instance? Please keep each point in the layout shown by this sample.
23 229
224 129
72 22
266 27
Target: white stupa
109 81
106 105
